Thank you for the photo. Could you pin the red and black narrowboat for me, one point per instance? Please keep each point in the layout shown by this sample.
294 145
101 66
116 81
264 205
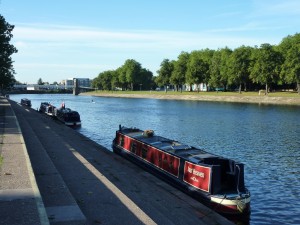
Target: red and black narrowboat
216 181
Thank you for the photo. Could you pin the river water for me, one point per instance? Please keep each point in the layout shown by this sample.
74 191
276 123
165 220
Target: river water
266 138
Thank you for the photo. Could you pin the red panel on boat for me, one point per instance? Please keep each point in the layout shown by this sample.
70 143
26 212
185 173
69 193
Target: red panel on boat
197 176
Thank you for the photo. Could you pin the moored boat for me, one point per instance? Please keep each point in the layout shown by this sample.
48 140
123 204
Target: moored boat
47 108
216 181
26 102
67 116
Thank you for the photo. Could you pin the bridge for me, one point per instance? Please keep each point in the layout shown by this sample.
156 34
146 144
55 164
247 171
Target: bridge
77 89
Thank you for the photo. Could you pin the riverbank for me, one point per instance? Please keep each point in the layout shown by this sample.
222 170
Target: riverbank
281 98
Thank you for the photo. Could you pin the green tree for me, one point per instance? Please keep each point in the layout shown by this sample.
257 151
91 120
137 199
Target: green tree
180 67
220 68
131 69
146 81
40 81
197 69
7 71
239 67
266 65
164 73
121 73
106 78
96 83
290 70
115 82
206 56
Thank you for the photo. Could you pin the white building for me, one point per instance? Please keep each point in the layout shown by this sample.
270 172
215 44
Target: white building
197 87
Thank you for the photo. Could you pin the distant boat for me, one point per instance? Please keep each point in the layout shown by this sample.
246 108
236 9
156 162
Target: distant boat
68 116
26 102
216 181
47 108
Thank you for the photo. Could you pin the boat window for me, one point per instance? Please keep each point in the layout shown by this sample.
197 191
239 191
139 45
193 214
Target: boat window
133 147
122 141
144 152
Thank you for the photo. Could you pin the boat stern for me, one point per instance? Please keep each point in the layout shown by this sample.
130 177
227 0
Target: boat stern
232 204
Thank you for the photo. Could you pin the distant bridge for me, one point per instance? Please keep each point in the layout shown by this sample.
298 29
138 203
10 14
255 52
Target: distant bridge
77 89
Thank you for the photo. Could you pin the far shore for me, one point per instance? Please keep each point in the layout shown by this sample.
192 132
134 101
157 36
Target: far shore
279 98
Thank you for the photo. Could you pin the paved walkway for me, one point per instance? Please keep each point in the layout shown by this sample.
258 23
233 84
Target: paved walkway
79 181
20 199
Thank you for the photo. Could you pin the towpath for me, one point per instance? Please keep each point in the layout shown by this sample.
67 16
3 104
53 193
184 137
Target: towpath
77 181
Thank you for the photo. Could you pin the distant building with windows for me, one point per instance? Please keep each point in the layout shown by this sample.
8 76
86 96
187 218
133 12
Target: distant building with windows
82 82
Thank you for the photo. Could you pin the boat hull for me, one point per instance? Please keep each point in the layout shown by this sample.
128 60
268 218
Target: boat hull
224 206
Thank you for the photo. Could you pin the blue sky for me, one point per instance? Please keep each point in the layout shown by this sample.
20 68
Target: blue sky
61 39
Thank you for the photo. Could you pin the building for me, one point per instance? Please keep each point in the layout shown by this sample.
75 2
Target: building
197 87
82 82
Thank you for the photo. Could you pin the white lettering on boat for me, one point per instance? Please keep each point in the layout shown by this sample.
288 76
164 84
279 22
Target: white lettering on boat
195 172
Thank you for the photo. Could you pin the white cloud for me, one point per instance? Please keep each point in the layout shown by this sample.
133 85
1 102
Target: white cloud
58 51
79 37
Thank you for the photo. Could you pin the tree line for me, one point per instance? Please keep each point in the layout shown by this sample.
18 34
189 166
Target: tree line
244 68
7 71
130 76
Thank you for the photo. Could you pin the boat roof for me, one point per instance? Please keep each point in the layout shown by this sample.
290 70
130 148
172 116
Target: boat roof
168 145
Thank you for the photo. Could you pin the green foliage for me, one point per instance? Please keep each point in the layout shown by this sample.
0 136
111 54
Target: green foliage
6 64
180 67
239 67
223 68
132 69
266 65
164 73
290 70
40 81
197 68
131 75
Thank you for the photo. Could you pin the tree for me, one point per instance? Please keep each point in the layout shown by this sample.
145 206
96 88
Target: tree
206 56
40 81
197 69
164 73
146 79
266 65
7 71
106 79
96 83
290 70
239 67
219 68
131 69
180 67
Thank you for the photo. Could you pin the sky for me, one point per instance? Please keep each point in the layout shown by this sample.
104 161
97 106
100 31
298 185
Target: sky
60 39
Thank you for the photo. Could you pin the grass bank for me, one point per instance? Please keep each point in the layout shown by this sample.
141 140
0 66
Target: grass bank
283 98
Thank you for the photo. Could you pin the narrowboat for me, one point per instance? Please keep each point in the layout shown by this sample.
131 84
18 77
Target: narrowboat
47 108
216 181
26 102
68 116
